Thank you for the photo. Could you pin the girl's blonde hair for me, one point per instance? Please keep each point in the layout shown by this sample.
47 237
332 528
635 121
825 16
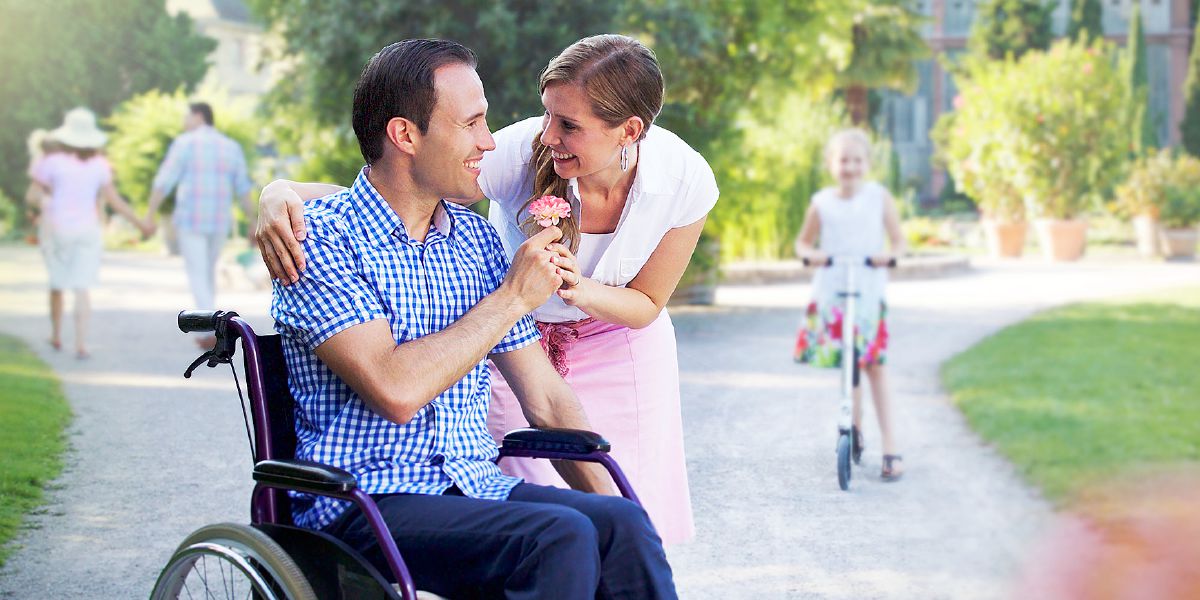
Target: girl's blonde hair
850 135
621 79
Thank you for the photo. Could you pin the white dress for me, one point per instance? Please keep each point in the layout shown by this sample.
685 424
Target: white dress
849 227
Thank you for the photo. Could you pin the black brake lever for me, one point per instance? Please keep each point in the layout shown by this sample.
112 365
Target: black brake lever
213 357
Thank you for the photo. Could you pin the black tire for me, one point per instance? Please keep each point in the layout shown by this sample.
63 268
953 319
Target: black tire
843 461
239 550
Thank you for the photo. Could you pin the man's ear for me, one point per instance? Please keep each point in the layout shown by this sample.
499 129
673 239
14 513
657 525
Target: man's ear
401 134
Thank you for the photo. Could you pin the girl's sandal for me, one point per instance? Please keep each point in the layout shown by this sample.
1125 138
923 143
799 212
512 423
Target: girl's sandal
856 444
889 472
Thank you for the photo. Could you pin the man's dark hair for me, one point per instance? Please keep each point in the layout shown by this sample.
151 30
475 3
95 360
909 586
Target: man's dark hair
398 82
202 109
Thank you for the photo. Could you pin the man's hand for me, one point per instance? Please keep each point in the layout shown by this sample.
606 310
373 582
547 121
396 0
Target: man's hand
280 230
533 276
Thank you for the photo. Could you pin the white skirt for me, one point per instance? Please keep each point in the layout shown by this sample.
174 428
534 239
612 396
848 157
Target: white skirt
73 259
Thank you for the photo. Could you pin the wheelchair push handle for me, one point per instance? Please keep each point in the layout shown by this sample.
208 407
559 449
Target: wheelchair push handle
199 320
216 321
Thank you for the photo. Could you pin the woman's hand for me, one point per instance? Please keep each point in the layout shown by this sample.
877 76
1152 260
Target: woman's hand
575 285
280 230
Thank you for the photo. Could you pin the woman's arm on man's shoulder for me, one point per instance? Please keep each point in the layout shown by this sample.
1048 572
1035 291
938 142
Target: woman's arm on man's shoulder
281 225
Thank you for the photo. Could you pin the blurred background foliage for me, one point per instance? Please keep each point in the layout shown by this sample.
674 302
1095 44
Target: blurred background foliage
756 87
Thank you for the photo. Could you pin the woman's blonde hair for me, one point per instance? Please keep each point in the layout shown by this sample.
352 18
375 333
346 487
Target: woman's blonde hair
621 79
850 135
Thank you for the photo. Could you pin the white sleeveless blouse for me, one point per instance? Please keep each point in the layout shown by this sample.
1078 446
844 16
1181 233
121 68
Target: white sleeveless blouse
852 227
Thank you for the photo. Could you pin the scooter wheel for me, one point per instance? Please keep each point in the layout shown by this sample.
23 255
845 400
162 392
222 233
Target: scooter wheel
843 461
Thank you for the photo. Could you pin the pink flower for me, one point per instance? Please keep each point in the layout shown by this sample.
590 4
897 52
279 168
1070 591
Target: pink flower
1087 68
959 102
548 210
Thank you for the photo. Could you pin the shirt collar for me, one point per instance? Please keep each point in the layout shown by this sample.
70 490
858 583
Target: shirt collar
380 222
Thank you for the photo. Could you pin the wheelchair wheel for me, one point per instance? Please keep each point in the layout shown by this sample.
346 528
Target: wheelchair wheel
228 560
843 461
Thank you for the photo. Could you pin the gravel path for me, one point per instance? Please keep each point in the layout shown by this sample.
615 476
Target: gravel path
153 456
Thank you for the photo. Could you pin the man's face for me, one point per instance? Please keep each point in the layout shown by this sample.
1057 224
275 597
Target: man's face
447 156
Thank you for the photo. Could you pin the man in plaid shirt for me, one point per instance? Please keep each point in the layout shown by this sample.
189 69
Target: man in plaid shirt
386 335
207 170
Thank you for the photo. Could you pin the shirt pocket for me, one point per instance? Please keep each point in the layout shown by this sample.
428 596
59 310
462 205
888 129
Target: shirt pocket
631 266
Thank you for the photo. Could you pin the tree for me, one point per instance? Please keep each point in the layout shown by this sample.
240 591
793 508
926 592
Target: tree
332 40
1190 128
887 42
1145 134
722 58
1086 20
1011 27
94 53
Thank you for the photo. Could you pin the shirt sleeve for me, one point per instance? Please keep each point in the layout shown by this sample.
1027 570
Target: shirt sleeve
330 297
106 172
42 170
171 169
700 196
505 174
496 263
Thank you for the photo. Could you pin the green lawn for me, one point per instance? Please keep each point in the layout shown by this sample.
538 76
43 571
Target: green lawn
33 414
1085 391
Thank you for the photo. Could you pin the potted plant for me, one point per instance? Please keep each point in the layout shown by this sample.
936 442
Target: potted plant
975 146
1069 152
1140 196
1179 215
1045 127
1158 182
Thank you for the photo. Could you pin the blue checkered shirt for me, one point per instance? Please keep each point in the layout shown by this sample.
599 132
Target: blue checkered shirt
362 266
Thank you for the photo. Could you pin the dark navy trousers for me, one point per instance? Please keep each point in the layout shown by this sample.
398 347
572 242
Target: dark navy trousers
542 542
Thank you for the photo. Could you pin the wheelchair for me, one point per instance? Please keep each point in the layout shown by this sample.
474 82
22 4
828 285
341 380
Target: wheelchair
271 558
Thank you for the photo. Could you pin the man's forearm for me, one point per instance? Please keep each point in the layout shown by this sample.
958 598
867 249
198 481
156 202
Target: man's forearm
565 412
429 365
156 199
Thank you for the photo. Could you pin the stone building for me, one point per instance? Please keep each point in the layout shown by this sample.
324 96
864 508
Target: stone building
908 118
236 63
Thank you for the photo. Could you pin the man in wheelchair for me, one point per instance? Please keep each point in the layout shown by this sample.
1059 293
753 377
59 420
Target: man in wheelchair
385 337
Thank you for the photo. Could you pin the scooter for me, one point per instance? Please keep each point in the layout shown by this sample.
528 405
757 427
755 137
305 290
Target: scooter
846 450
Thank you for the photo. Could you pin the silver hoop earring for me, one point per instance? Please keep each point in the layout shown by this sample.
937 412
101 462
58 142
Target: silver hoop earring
624 158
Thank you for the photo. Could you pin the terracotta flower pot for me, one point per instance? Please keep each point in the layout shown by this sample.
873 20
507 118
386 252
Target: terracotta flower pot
1179 243
1145 230
1004 239
1061 239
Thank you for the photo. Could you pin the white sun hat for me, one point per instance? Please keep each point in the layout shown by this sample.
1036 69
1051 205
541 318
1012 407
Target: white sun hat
79 130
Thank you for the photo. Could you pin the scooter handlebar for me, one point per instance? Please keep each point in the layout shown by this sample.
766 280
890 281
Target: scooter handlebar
829 261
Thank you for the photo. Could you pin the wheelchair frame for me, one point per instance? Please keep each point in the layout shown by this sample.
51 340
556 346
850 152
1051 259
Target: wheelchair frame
276 472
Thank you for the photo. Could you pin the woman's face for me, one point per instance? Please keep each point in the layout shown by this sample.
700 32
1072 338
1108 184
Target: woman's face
580 143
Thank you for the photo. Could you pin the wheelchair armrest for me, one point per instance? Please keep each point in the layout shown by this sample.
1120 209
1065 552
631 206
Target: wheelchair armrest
574 441
304 476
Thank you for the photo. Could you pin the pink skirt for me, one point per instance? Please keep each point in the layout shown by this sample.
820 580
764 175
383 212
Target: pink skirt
628 383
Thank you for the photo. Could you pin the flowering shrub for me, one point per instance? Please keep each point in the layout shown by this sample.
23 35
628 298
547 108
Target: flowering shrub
1045 134
1145 191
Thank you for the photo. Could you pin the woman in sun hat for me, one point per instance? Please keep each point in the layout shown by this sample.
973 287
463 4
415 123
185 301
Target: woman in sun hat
73 182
